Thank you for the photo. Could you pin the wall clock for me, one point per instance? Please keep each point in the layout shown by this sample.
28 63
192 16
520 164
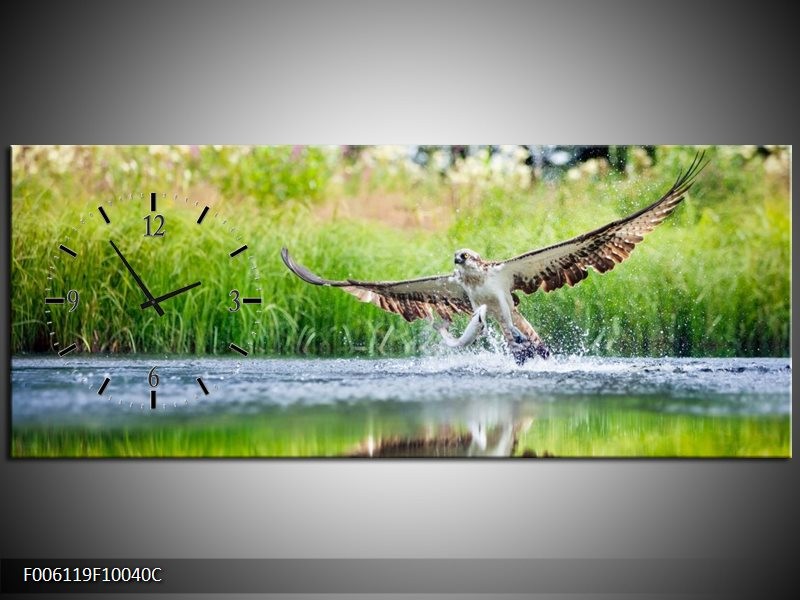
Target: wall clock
156 283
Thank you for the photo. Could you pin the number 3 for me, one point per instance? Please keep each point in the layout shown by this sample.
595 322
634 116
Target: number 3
237 303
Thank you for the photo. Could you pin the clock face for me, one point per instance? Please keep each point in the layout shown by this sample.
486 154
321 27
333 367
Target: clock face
158 278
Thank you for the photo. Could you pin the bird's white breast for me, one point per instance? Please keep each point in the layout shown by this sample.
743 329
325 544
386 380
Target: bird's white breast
487 288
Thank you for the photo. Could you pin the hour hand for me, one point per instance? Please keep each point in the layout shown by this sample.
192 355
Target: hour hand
167 296
152 301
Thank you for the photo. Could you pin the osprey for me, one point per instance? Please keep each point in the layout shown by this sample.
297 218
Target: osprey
489 288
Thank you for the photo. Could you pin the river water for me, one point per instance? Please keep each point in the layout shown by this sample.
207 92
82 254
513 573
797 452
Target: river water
479 393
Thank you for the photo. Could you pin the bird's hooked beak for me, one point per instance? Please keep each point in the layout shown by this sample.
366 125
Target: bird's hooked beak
459 260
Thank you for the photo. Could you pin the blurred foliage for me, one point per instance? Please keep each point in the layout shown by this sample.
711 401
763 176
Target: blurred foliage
268 174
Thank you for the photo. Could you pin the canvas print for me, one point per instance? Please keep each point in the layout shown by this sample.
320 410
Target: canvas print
507 301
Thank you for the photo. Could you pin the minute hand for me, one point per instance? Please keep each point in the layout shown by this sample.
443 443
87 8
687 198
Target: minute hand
155 301
139 281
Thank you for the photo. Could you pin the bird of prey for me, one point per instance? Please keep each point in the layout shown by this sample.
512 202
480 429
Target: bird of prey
489 288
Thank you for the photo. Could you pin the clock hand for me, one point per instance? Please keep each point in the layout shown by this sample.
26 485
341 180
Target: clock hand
138 279
155 301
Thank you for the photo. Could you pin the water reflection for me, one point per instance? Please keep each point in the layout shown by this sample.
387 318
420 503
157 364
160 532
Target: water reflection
467 405
492 431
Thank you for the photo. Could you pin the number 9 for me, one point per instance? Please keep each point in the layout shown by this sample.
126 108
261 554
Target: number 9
73 298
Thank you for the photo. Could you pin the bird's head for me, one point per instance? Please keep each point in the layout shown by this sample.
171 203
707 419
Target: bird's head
467 260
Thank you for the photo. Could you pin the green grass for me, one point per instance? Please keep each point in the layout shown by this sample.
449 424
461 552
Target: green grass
626 434
714 280
327 432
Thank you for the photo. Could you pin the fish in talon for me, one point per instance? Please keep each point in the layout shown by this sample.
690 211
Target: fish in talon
471 333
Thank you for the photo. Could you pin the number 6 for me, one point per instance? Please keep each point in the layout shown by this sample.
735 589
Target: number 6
152 378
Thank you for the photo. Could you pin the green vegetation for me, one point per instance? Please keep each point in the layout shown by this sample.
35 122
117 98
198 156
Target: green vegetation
341 430
638 433
714 280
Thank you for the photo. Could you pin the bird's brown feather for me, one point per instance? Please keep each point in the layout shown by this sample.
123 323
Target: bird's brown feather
412 299
567 263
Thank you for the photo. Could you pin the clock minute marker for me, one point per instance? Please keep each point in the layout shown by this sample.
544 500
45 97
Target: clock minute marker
68 349
238 349
238 250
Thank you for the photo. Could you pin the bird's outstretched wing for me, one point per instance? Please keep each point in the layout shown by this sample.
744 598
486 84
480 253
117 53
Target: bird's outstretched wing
413 298
567 263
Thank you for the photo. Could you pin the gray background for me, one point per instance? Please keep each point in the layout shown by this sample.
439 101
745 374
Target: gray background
563 71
